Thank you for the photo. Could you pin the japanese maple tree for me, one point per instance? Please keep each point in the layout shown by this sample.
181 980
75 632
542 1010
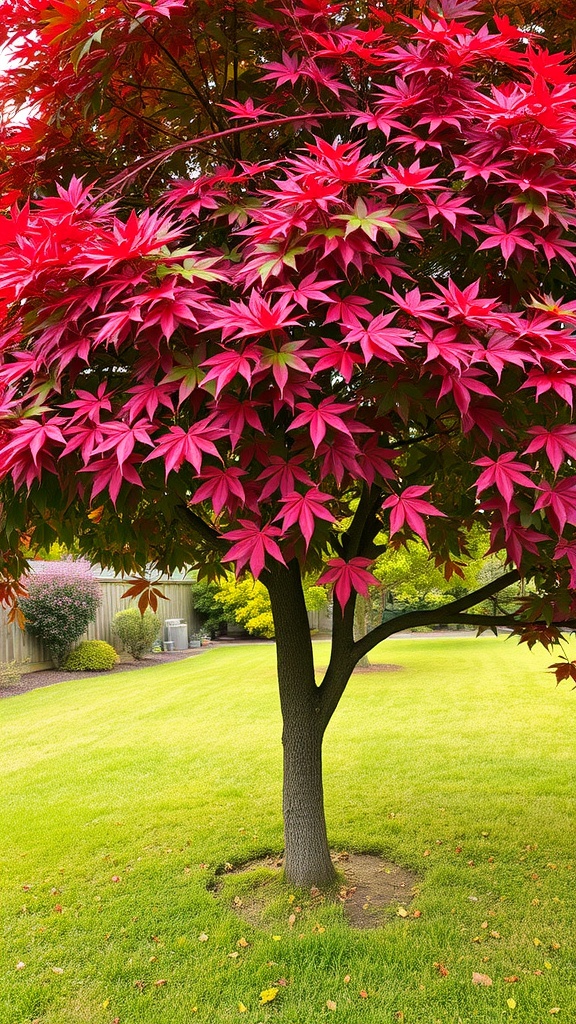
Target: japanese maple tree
275 282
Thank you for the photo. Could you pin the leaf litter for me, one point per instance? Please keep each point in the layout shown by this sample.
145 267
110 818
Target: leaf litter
371 885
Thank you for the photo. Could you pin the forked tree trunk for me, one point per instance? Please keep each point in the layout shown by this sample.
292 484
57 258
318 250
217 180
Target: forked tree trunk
307 859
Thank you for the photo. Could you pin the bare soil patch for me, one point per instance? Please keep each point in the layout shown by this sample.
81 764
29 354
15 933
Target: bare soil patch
371 885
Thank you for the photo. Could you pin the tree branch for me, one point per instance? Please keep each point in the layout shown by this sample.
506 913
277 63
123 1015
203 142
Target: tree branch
165 154
202 528
448 613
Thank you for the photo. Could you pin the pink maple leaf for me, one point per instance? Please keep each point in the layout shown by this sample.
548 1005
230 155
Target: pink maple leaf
223 486
303 510
560 500
179 445
559 442
253 543
328 414
502 473
408 508
349 576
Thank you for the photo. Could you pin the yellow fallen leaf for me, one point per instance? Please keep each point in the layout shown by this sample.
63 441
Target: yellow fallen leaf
346 979
58 970
481 979
547 965
291 899
318 928
495 935
277 938
234 954
484 924
243 942
267 995
330 1004
242 1008
511 1003
555 1009
105 1004
401 912
536 942
203 937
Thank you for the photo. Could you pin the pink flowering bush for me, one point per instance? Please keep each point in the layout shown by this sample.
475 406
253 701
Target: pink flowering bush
62 600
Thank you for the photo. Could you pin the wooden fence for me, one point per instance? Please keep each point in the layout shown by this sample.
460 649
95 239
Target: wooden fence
17 645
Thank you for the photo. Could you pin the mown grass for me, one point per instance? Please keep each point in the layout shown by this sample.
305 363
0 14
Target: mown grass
125 794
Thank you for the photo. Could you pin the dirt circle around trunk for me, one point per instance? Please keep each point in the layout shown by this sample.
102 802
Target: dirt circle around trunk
370 886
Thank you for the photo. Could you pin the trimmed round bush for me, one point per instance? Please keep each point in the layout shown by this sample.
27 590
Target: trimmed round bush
136 631
91 656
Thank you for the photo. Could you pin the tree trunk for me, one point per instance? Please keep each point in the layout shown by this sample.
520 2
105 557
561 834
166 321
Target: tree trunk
307 859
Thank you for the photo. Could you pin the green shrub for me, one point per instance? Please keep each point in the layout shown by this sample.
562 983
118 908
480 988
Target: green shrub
10 673
91 656
137 632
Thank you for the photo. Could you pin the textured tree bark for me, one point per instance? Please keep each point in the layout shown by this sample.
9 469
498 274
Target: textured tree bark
307 859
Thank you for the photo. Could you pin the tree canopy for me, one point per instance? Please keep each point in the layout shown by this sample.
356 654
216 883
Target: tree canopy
277 278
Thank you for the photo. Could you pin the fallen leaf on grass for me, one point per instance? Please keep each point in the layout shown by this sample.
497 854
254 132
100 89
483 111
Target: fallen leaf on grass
202 937
234 954
282 982
346 979
20 965
481 979
555 1009
511 978
442 970
511 1003
417 913
58 970
318 928
267 995
330 1004
160 982
495 935
243 943
363 993
292 920
115 878
536 942
402 912
278 938
242 1008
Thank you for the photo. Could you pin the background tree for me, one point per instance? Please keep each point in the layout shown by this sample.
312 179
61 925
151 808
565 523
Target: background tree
320 288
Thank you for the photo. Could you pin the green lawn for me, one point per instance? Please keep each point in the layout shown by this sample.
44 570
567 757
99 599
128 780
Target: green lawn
124 794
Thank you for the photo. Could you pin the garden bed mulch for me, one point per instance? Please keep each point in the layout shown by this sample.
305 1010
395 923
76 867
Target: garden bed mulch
47 677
